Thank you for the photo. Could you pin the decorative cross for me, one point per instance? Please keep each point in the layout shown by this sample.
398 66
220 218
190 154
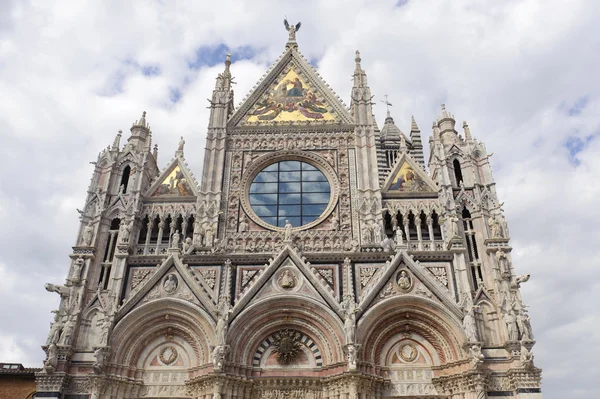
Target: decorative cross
388 104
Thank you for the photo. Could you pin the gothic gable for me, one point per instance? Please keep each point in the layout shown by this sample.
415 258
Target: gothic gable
407 178
291 93
171 278
287 273
176 181
403 276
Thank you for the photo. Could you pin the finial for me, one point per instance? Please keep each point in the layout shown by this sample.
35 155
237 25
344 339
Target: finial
443 107
227 61
357 59
292 29
467 131
388 105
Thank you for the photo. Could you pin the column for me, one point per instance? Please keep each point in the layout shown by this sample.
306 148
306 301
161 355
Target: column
150 226
161 227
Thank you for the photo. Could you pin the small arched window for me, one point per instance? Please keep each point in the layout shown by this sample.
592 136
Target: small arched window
457 172
125 178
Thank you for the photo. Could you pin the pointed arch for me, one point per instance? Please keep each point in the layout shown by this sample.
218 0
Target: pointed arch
125 178
458 175
262 318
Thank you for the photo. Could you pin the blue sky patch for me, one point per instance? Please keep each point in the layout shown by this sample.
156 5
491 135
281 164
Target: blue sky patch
174 95
579 105
208 56
575 145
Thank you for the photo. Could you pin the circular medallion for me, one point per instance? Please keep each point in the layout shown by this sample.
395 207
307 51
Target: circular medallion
404 281
408 352
287 280
168 355
170 284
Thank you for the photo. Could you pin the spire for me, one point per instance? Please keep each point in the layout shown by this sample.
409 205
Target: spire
140 132
436 131
224 79
417 144
360 77
117 142
446 125
467 130
155 153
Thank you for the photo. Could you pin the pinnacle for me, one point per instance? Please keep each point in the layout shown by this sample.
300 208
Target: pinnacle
413 124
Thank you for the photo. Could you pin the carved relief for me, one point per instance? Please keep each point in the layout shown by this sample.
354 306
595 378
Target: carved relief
404 281
440 274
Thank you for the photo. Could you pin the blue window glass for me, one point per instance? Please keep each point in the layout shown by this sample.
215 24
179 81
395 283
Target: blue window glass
289 190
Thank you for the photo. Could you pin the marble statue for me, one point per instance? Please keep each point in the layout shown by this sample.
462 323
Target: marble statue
348 310
54 333
469 325
77 267
52 360
175 239
67 333
511 325
292 29
398 236
223 312
125 231
87 235
287 231
243 224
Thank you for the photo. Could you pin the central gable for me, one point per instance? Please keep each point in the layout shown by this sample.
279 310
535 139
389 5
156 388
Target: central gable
291 93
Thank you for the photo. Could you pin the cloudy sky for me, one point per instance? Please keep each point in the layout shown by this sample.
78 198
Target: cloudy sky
523 73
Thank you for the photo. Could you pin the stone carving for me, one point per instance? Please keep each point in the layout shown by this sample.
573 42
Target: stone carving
223 312
209 236
511 325
348 310
502 261
287 279
209 277
453 226
388 244
181 144
125 231
292 29
377 232
198 233
287 232
495 228
440 274
524 325
469 325
67 333
188 245
87 235
99 363
398 236
138 276
54 334
52 360
218 357
286 344
170 284
404 281
168 355
243 224
366 274
335 223
351 357
526 355
77 267
175 239
475 354
408 352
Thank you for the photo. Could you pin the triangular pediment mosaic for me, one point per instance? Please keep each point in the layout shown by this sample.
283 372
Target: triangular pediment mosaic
291 93
407 177
175 181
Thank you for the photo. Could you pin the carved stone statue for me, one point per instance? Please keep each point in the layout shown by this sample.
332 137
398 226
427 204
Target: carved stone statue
67 334
511 325
475 353
388 244
87 235
502 261
99 363
181 144
243 224
209 236
223 313
125 231
348 310
335 223
52 360
54 333
469 325
175 239
524 326
523 278
198 232
218 357
187 245
287 231
291 30
351 357
377 232
77 266
495 228
170 284
453 226
398 236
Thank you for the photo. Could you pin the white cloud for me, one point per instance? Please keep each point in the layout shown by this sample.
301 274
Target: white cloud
70 78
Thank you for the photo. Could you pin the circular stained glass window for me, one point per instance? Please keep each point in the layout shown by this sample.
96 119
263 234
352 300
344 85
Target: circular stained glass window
289 190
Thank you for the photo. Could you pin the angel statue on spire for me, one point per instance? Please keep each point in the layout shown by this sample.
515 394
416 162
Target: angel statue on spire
291 29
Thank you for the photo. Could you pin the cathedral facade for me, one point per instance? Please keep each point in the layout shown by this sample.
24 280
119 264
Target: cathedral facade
317 258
